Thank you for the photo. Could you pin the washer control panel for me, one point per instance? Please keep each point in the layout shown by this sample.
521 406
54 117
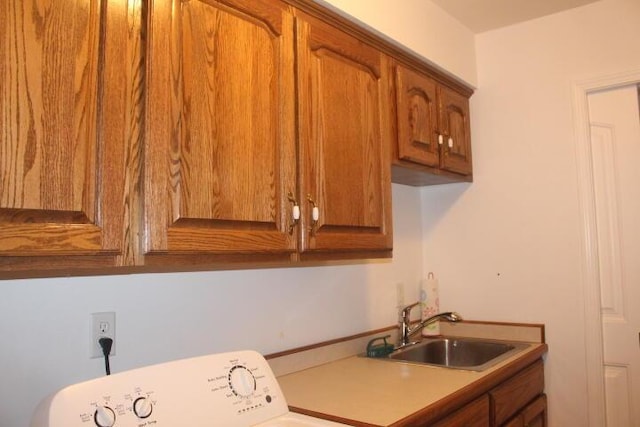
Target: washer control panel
230 389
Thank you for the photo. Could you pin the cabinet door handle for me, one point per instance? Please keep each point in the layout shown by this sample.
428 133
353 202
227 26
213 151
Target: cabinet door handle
315 214
450 142
295 212
440 139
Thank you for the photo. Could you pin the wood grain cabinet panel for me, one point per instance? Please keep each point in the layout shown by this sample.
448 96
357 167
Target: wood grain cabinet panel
474 414
456 129
220 146
62 132
433 130
344 138
533 415
516 393
518 401
418 116
184 132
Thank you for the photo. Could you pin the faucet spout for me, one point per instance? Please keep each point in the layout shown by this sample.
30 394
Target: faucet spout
406 331
450 316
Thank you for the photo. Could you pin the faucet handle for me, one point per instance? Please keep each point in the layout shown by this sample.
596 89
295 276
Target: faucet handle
405 312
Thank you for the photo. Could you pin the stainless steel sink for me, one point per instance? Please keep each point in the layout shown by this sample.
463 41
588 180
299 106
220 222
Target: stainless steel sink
460 353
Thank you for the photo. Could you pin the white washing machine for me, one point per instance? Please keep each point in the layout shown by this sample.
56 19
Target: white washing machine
236 389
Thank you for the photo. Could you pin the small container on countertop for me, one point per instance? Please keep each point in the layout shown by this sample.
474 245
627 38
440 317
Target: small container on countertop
379 350
430 304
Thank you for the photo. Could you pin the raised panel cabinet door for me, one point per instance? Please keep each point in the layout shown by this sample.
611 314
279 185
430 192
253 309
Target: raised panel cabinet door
474 414
344 132
220 145
62 130
535 414
417 115
508 398
455 154
516 421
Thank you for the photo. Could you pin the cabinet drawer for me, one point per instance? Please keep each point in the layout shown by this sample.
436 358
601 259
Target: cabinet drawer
514 394
534 415
474 414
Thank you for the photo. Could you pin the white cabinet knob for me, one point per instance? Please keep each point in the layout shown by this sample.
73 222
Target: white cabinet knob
315 215
440 139
296 213
450 142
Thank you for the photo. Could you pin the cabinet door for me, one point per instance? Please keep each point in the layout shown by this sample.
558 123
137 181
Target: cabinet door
417 114
533 415
62 132
344 140
220 148
474 414
511 396
455 126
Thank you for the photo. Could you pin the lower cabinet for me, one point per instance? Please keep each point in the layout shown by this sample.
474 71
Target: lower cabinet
474 414
533 415
513 398
518 401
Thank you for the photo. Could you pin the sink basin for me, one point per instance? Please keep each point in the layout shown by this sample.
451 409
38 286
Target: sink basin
461 353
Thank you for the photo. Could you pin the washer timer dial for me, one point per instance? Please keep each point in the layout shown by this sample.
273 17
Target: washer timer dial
241 381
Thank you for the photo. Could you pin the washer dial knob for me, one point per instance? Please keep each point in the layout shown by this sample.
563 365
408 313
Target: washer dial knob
242 381
104 416
142 407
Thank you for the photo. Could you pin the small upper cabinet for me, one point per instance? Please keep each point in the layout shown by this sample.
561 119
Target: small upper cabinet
455 144
417 109
433 131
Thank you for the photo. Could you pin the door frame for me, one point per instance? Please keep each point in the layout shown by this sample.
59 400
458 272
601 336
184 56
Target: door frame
593 339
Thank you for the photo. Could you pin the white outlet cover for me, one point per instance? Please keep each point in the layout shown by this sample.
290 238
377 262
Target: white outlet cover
102 325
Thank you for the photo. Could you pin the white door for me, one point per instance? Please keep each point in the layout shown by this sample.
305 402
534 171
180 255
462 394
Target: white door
615 143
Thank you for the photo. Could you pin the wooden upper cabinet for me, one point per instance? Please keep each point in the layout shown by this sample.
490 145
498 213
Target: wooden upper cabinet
220 134
417 108
62 131
433 127
455 127
344 140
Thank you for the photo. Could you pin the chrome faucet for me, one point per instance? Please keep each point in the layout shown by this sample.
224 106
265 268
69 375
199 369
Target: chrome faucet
404 323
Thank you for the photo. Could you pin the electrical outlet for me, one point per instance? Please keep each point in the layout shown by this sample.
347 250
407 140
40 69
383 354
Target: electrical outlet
103 325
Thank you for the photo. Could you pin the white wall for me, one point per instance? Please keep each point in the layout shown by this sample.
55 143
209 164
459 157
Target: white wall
507 247
421 26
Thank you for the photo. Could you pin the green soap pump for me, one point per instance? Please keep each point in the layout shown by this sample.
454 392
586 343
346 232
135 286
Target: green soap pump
379 350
